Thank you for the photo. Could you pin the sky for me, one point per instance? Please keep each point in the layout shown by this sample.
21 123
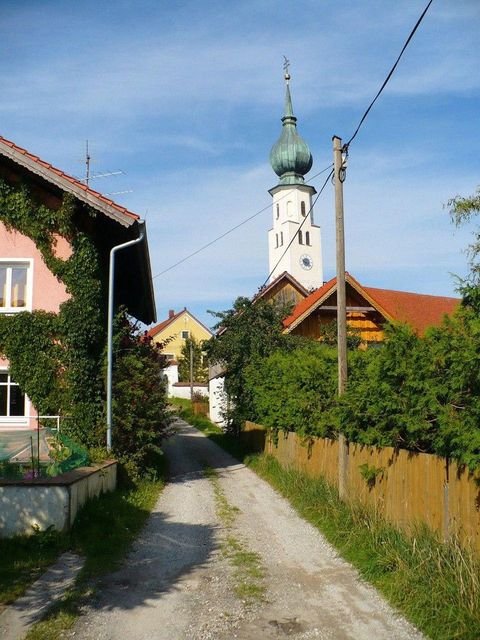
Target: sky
186 99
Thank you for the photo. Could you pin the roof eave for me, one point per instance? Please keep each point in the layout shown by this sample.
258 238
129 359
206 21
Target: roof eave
150 307
358 288
60 181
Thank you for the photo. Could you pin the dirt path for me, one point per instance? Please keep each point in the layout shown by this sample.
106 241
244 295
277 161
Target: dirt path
223 556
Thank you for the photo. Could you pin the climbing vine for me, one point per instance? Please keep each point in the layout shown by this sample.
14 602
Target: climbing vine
56 358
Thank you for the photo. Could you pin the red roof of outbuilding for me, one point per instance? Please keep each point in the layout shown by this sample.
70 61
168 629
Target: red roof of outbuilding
308 302
417 309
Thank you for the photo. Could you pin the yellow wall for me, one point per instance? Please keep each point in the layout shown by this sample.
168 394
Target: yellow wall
369 326
173 333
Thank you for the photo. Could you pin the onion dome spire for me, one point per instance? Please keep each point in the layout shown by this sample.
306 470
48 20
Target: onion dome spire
290 156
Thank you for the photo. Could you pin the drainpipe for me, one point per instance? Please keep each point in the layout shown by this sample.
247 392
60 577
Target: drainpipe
111 282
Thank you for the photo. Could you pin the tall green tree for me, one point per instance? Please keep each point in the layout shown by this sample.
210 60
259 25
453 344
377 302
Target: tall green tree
249 331
463 210
193 349
140 415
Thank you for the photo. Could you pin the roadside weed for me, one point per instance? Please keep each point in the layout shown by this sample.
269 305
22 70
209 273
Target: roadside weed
249 572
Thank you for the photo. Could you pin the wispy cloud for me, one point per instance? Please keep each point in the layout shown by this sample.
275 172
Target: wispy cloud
186 98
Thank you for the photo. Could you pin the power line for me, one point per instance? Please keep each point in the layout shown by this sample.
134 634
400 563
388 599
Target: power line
363 118
226 233
299 227
412 33
209 244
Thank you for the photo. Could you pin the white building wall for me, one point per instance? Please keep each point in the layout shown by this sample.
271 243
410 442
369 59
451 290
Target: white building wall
218 401
171 375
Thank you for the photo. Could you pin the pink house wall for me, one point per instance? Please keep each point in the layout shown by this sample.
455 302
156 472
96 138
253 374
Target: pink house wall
47 292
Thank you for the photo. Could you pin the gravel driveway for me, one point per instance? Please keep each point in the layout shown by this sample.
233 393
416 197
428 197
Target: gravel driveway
223 556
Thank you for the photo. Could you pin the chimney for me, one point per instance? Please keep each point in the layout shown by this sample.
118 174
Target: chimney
171 313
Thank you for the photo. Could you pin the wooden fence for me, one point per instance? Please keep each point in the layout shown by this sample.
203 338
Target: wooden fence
403 487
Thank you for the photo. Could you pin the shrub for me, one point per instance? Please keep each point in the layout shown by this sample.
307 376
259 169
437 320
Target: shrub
140 415
296 391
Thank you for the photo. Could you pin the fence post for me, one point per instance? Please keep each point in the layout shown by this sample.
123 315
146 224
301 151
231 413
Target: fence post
342 466
446 510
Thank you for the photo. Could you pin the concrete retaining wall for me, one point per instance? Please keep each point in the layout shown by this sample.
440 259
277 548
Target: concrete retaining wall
28 505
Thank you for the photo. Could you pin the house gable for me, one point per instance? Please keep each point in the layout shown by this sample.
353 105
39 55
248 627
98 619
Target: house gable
368 309
284 290
56 237
176 329
103 220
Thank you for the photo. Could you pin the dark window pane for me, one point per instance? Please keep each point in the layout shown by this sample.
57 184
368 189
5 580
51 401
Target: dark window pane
4 377
3 401
17 401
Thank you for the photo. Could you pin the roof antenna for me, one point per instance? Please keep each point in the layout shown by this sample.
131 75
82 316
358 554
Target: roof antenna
94 176
87 163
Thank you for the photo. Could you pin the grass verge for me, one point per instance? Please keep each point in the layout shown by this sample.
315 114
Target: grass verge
103 532
23 559
248 570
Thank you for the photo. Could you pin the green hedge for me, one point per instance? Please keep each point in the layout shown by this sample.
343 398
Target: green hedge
421 394
296 391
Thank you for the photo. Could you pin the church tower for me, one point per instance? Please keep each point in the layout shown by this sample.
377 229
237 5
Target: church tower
294 241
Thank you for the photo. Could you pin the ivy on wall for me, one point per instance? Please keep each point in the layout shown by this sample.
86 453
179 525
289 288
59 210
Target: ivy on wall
56 358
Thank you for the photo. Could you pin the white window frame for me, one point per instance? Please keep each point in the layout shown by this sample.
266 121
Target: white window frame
187 332
21 421
17 262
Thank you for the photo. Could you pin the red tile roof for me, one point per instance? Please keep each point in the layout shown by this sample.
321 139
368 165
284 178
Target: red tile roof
68 183
163 325
417 309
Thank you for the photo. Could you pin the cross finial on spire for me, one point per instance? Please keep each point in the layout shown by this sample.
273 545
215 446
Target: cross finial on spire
286 67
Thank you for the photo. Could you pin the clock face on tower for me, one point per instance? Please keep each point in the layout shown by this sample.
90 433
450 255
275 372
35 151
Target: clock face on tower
306 261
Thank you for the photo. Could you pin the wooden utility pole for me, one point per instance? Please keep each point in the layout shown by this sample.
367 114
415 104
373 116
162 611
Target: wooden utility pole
339 177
